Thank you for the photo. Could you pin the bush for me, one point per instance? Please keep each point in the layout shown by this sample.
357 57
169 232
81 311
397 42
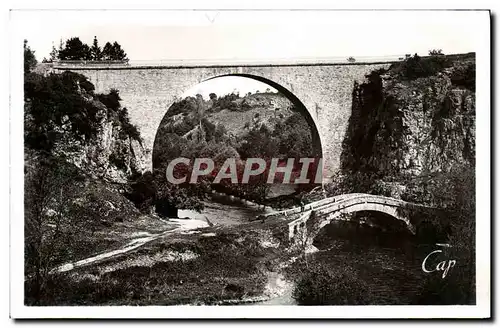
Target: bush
117 161
111 100
56 111
414 67
465 77
320 285
128 128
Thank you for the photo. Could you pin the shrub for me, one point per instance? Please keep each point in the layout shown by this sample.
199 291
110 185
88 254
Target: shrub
117 161
130 129
414 67
110 100
320 285
465 77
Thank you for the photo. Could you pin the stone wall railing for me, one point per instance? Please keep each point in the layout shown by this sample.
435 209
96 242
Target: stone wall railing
89 63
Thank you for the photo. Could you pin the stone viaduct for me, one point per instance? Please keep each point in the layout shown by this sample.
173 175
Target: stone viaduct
323 90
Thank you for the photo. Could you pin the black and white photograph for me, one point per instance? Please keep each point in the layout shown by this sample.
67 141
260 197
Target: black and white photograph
241 164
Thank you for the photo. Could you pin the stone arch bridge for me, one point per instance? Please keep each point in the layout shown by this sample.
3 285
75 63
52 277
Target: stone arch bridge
322 89
299 220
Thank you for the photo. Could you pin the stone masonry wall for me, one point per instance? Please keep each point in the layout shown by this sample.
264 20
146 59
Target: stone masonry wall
325 90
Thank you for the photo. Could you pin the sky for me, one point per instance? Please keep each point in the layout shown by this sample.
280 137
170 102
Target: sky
246 36
227 84
174 36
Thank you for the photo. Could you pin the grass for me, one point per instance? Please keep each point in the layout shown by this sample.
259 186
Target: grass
107 221
177 269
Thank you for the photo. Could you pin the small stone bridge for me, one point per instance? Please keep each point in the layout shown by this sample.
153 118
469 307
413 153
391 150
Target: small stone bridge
300 220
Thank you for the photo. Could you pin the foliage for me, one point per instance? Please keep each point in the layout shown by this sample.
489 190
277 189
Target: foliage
295 137
355 182
54 54
55 110
129 129
110 100
465 76
414 67
227 102
259 142
75 49
29 58
117 161
435 52
95 50
322 285
153 190
62 108
113 52
49 232
454 193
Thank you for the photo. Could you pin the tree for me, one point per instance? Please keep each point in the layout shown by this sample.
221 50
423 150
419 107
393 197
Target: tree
107 51
152 190
351 59
54 54
75 49
56 112
113 52
118 52
50 184
29 58
435 52
95 50
60 48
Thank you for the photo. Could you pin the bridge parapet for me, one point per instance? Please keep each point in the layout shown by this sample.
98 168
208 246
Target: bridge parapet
89 64
286 214
332 209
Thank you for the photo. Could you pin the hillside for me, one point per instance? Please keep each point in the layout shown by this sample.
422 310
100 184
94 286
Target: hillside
268 109
261 125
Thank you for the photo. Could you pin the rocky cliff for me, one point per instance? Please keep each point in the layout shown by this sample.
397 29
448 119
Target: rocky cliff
413 119
66 119
112 153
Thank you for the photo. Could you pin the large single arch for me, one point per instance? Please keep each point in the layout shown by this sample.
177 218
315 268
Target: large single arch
325 88
299 106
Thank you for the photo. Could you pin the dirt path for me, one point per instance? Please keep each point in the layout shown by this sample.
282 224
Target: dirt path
184 225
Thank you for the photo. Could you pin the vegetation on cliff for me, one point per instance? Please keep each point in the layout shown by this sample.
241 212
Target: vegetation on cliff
414 119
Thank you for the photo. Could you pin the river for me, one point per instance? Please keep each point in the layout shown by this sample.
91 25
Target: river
226 210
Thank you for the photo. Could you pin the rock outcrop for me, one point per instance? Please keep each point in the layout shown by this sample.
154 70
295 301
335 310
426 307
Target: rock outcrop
113 151
407 127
